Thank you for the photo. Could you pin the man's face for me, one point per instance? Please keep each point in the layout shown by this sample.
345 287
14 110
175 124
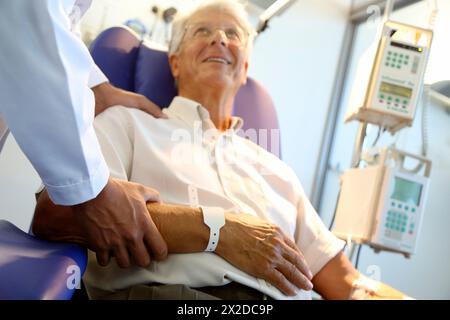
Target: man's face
212 53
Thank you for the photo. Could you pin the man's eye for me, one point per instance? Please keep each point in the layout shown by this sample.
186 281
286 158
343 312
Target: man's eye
232 34
202 32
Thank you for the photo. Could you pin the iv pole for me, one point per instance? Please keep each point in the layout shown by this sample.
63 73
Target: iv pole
361 135
362 129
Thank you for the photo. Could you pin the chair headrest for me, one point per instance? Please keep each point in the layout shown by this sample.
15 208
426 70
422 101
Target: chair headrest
115 51
153 77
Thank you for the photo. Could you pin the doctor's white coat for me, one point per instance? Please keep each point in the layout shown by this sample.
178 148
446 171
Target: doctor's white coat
45 99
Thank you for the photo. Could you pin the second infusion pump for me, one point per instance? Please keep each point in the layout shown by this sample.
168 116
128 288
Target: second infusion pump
383 205
389 96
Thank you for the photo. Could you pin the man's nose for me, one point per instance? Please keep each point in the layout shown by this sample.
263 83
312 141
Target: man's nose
219 37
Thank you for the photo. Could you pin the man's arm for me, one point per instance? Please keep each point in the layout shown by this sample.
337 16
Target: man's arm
253 245
249 243
337 280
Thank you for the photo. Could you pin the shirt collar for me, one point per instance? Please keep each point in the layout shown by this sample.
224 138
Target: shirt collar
190 112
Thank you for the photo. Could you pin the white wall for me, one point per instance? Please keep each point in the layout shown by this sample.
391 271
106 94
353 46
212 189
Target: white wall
18 183
296 59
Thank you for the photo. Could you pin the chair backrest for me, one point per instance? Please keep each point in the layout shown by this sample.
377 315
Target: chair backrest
35 269
132 65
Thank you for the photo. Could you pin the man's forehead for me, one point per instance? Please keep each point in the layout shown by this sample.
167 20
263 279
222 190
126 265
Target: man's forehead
213 15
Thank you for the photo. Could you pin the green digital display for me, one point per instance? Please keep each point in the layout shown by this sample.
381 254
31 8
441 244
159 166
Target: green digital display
407 191
397 90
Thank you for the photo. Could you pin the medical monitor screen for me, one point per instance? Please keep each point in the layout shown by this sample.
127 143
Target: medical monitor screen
407 191
397 90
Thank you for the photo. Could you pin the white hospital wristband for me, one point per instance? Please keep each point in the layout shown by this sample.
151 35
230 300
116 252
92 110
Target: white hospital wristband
214 218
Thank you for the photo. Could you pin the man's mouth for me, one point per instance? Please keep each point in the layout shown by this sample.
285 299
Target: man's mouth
217 60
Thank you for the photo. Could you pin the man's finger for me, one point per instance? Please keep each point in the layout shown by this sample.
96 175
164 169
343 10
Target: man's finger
295 256
294 276
277 279
291 243
297 259
154 241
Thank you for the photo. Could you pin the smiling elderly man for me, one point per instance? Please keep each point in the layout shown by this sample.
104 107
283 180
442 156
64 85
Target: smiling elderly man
272 241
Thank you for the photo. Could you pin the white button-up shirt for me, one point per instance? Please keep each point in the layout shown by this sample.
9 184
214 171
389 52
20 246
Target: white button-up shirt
45 77
191 163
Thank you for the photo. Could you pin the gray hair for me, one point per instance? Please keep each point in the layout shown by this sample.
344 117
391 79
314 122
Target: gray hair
233 7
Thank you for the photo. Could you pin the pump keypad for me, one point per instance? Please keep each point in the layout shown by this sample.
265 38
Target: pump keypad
400 220
396 60
393 100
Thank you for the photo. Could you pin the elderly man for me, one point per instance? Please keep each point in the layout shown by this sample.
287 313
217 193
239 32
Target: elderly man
229 196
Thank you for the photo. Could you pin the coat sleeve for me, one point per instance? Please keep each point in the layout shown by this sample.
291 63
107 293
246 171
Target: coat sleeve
79 8
46 99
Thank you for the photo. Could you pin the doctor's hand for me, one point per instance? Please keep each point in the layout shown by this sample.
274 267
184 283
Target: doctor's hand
117 223
106 95
261 249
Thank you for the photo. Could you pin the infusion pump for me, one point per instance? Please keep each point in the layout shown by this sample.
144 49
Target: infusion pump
389 79
383 205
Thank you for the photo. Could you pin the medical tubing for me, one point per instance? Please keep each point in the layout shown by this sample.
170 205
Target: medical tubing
433 14
425 120
388 9
378 136
357 256
335 208
424 128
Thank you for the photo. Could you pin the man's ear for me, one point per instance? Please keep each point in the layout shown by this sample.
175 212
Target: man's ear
174 67
245 73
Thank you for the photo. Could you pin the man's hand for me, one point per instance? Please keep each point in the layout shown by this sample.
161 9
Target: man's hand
116 223
251 244
106 95
260 248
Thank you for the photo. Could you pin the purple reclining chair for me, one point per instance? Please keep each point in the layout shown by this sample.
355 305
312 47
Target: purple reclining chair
131 65
33 269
